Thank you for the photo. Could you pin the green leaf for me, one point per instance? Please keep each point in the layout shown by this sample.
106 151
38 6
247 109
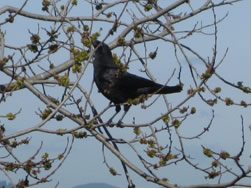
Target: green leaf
224 155
166 119
137 131
176 123
208 152
11 116
113 171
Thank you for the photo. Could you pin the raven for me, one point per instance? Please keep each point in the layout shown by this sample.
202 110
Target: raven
119 86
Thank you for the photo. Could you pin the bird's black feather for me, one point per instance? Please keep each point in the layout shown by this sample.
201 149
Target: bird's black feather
119 86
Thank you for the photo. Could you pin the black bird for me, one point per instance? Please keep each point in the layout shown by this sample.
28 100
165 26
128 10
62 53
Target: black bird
118 85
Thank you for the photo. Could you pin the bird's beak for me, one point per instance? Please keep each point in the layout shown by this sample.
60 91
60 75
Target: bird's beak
96 43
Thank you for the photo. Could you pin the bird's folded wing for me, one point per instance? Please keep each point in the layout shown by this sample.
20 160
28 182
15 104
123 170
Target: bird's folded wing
134 81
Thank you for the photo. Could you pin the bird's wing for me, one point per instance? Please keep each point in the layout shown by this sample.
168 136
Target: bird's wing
144 86
134 81
111 76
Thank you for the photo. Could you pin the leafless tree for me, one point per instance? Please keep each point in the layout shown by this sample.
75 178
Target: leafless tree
131 26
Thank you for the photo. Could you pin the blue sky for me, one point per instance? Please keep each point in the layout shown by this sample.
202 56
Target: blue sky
85 163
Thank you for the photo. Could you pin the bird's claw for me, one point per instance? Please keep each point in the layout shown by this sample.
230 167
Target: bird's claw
119 124
109 123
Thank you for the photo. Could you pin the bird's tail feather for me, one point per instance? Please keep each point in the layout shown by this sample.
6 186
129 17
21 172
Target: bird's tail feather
168 89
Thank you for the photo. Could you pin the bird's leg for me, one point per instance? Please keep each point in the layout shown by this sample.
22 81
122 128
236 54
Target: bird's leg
126 108
117 109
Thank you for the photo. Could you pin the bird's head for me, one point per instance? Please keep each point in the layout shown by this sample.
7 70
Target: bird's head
103 54
96 43
101 49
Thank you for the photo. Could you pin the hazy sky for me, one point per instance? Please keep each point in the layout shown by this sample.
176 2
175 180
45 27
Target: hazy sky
85 163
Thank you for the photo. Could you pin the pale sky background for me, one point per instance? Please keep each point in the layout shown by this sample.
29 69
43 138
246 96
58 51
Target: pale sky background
85 163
